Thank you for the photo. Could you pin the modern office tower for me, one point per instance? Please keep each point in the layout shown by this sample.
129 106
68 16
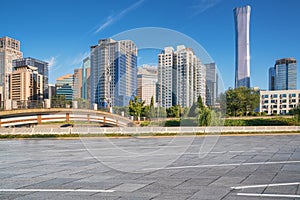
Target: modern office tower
77 84
272 78
9 51
278 101
284 75
211 83
242 46
64 86
181 77
113 72
26 84
146 81
42 69
86 71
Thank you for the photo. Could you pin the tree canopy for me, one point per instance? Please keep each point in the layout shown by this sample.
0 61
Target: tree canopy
239 101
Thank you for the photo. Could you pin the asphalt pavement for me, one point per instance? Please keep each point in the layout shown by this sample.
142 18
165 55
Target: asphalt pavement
213 167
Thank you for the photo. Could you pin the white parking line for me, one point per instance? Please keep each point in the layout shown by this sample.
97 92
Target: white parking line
264 185
226 165
56 190
269 195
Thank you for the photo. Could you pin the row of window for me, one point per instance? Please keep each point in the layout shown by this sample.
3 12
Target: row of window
281 95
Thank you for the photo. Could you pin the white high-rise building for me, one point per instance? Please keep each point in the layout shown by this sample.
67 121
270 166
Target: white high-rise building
181 77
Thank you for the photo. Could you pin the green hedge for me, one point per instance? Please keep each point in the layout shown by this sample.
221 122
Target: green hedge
277 121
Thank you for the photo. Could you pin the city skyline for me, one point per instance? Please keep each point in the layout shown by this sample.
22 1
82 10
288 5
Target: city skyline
66 36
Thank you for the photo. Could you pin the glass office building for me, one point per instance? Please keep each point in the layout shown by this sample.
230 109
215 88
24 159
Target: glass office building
113 72
283 76
242 63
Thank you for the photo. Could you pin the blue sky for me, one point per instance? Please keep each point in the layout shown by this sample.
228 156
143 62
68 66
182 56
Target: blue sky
61 31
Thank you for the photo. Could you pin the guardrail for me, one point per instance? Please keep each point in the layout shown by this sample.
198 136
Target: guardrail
148 130
38 119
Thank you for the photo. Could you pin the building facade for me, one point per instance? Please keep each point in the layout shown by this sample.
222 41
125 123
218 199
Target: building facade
64 86
86 72
9 51
283 76
146 81
181 77
242 46
26 84
212 83
42 69
279 101
113 72
77 84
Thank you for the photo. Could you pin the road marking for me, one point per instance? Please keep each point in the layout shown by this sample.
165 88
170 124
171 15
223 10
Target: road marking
227 165
264 185
268 195
56 190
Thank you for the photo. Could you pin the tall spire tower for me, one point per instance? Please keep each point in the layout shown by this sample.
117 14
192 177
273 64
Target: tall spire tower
242 48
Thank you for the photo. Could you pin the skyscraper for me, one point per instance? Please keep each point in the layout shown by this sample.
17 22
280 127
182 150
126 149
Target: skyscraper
42 68
113 72
9 51
86 71
242 56
211 83
283 76
77 84
181 77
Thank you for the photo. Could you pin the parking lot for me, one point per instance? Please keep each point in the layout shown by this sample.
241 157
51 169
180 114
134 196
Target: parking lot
214 167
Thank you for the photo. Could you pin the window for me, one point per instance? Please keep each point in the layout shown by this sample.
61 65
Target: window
275 96
293 95
283 95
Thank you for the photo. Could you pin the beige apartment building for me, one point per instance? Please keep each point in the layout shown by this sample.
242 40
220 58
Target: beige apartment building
9 51
26 84
146 81
77 84
278 101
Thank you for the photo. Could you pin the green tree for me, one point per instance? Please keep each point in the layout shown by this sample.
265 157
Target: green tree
136 106
196 107
204 117
239 101
59 101
296 113
174 111
152 109
186 112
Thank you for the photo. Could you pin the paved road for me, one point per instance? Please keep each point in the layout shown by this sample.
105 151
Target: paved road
227 167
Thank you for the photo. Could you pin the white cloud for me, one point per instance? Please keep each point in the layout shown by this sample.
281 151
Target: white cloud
204 5
51 62
112 19
79 58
